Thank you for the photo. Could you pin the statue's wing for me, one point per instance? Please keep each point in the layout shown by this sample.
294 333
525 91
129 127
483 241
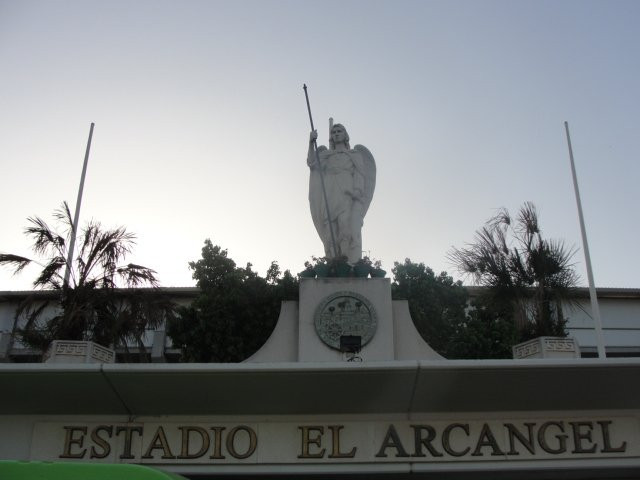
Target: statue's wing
369 174
316 199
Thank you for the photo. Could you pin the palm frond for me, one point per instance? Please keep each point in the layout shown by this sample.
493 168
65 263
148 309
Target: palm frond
15 261
63 216
502 219
527 219
104 249
45 240
137 275
31 332
50 276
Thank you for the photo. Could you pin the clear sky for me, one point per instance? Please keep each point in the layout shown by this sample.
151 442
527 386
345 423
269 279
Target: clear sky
202 129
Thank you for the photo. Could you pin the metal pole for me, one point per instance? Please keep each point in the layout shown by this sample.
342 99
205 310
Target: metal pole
74 226
324 191
592 289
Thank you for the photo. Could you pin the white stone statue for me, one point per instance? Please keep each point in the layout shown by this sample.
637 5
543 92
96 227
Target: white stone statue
349 180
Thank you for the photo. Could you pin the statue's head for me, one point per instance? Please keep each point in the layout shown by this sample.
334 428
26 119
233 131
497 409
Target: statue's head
338 134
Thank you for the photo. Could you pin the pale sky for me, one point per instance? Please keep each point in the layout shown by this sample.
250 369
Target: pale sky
202 128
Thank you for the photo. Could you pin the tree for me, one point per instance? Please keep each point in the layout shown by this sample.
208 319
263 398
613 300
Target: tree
485 333
91 306
235 312
527 277
444 318
437 303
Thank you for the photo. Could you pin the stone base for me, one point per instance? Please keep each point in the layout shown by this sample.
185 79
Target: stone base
74 351
295 338
313 292
547 347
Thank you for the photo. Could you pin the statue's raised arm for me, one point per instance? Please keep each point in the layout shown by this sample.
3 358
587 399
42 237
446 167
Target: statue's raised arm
349 180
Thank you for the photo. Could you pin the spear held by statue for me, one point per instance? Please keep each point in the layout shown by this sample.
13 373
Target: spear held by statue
324 191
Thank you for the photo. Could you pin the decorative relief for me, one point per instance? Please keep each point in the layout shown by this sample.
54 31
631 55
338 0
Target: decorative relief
560 344
527 349
71 348
543 347
103 355
345 313
80 349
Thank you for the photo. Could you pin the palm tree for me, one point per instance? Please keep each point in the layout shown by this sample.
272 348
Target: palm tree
525 274
102 301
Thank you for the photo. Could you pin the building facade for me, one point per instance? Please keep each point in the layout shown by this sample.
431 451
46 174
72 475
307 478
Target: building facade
302 407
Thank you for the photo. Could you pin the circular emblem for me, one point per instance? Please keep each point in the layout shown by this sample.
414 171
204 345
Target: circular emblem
345 313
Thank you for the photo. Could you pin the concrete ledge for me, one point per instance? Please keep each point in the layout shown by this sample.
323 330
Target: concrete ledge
321 388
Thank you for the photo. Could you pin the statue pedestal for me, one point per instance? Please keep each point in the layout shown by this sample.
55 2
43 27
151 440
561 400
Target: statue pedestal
319 296
356 309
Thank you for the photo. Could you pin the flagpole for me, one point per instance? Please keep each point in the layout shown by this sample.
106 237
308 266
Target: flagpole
592 289
74 226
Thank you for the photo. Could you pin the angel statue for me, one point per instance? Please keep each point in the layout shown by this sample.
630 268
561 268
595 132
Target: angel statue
349 181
